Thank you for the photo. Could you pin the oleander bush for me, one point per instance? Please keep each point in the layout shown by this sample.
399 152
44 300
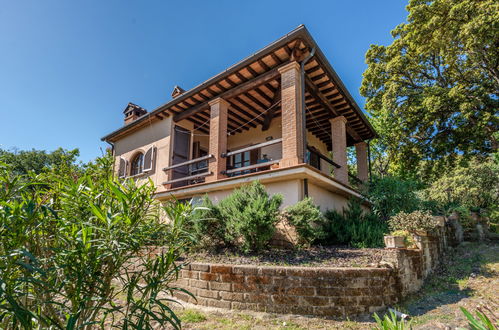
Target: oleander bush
75 251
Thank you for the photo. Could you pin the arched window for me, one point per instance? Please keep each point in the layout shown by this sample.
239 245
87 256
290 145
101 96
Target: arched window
137 164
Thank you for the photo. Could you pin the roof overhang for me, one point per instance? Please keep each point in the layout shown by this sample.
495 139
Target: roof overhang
249 73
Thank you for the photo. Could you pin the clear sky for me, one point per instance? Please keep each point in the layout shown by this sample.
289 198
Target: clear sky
68 68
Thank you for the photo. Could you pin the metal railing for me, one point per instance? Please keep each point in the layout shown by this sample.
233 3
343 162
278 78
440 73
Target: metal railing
197 175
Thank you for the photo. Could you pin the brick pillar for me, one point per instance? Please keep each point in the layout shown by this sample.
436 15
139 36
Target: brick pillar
218 138
339 137
291 105
362 166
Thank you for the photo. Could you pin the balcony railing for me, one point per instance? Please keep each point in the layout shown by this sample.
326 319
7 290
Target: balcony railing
311 151
197 170
249 159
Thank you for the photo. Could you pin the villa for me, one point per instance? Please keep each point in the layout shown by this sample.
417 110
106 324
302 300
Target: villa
281 116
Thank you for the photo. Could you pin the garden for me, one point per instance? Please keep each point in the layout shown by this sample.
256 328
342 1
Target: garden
73 236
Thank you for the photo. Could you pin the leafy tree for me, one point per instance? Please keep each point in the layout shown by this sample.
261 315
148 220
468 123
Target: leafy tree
473 186
390 195
433 93
38 161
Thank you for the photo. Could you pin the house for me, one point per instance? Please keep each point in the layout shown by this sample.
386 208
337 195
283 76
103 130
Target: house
276 116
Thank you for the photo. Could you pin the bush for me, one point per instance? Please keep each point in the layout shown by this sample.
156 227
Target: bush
413 222
390 195
245 219
307 219
72 252
354 227
250 215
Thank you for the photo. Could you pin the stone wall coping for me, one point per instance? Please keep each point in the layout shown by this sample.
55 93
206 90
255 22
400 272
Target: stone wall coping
277 267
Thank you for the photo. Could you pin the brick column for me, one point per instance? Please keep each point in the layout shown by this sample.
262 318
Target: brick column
291 105
218 138
339 137
362 166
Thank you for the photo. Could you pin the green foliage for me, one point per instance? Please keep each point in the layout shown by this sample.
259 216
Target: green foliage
390 195
72 251
209 226
413 222
354 227
245 219
433 93
480 322
38 161
308 220
251 214
473 185
391 322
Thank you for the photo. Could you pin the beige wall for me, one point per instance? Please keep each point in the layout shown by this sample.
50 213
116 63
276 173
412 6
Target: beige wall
290 190
255 136
158 135
325 199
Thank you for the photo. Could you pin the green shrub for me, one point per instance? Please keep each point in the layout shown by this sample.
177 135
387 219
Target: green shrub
250 215
72 252
390 195
354 227
209 226
308 220
413 222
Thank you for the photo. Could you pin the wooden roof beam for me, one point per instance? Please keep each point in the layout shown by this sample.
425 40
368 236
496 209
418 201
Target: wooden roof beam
242 88
325 103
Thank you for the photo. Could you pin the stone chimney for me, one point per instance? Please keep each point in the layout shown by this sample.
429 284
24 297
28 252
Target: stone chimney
177 91
133 112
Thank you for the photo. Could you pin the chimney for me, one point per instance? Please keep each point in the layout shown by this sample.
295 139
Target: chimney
133 112
177 91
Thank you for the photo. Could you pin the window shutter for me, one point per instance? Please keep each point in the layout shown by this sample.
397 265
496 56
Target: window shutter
122 168
149 159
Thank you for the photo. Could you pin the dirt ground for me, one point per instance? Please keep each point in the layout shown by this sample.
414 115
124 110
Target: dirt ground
469 276
310 257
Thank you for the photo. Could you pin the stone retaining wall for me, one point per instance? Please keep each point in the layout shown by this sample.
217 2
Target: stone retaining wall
320 291
336 292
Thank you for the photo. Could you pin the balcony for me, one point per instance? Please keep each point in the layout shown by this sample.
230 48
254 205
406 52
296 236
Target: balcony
252 159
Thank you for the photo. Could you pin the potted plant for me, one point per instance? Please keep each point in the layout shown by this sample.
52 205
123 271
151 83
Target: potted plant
394 242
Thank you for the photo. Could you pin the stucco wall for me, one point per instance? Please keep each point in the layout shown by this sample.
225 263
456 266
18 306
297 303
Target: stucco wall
291 190
158 135
325 199
255 136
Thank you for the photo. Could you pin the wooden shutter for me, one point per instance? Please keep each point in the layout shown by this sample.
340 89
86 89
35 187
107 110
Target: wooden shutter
123 168
149 159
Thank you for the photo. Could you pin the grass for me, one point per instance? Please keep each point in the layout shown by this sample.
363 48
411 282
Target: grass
468 276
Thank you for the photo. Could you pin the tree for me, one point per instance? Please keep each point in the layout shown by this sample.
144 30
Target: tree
433 93
38 161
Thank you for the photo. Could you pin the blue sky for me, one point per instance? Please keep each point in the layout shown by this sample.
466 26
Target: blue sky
68 68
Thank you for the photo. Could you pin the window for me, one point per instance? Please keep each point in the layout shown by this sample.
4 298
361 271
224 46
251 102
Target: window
137 164
244 159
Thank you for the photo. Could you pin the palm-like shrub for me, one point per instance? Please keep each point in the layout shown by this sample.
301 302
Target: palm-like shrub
75 252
